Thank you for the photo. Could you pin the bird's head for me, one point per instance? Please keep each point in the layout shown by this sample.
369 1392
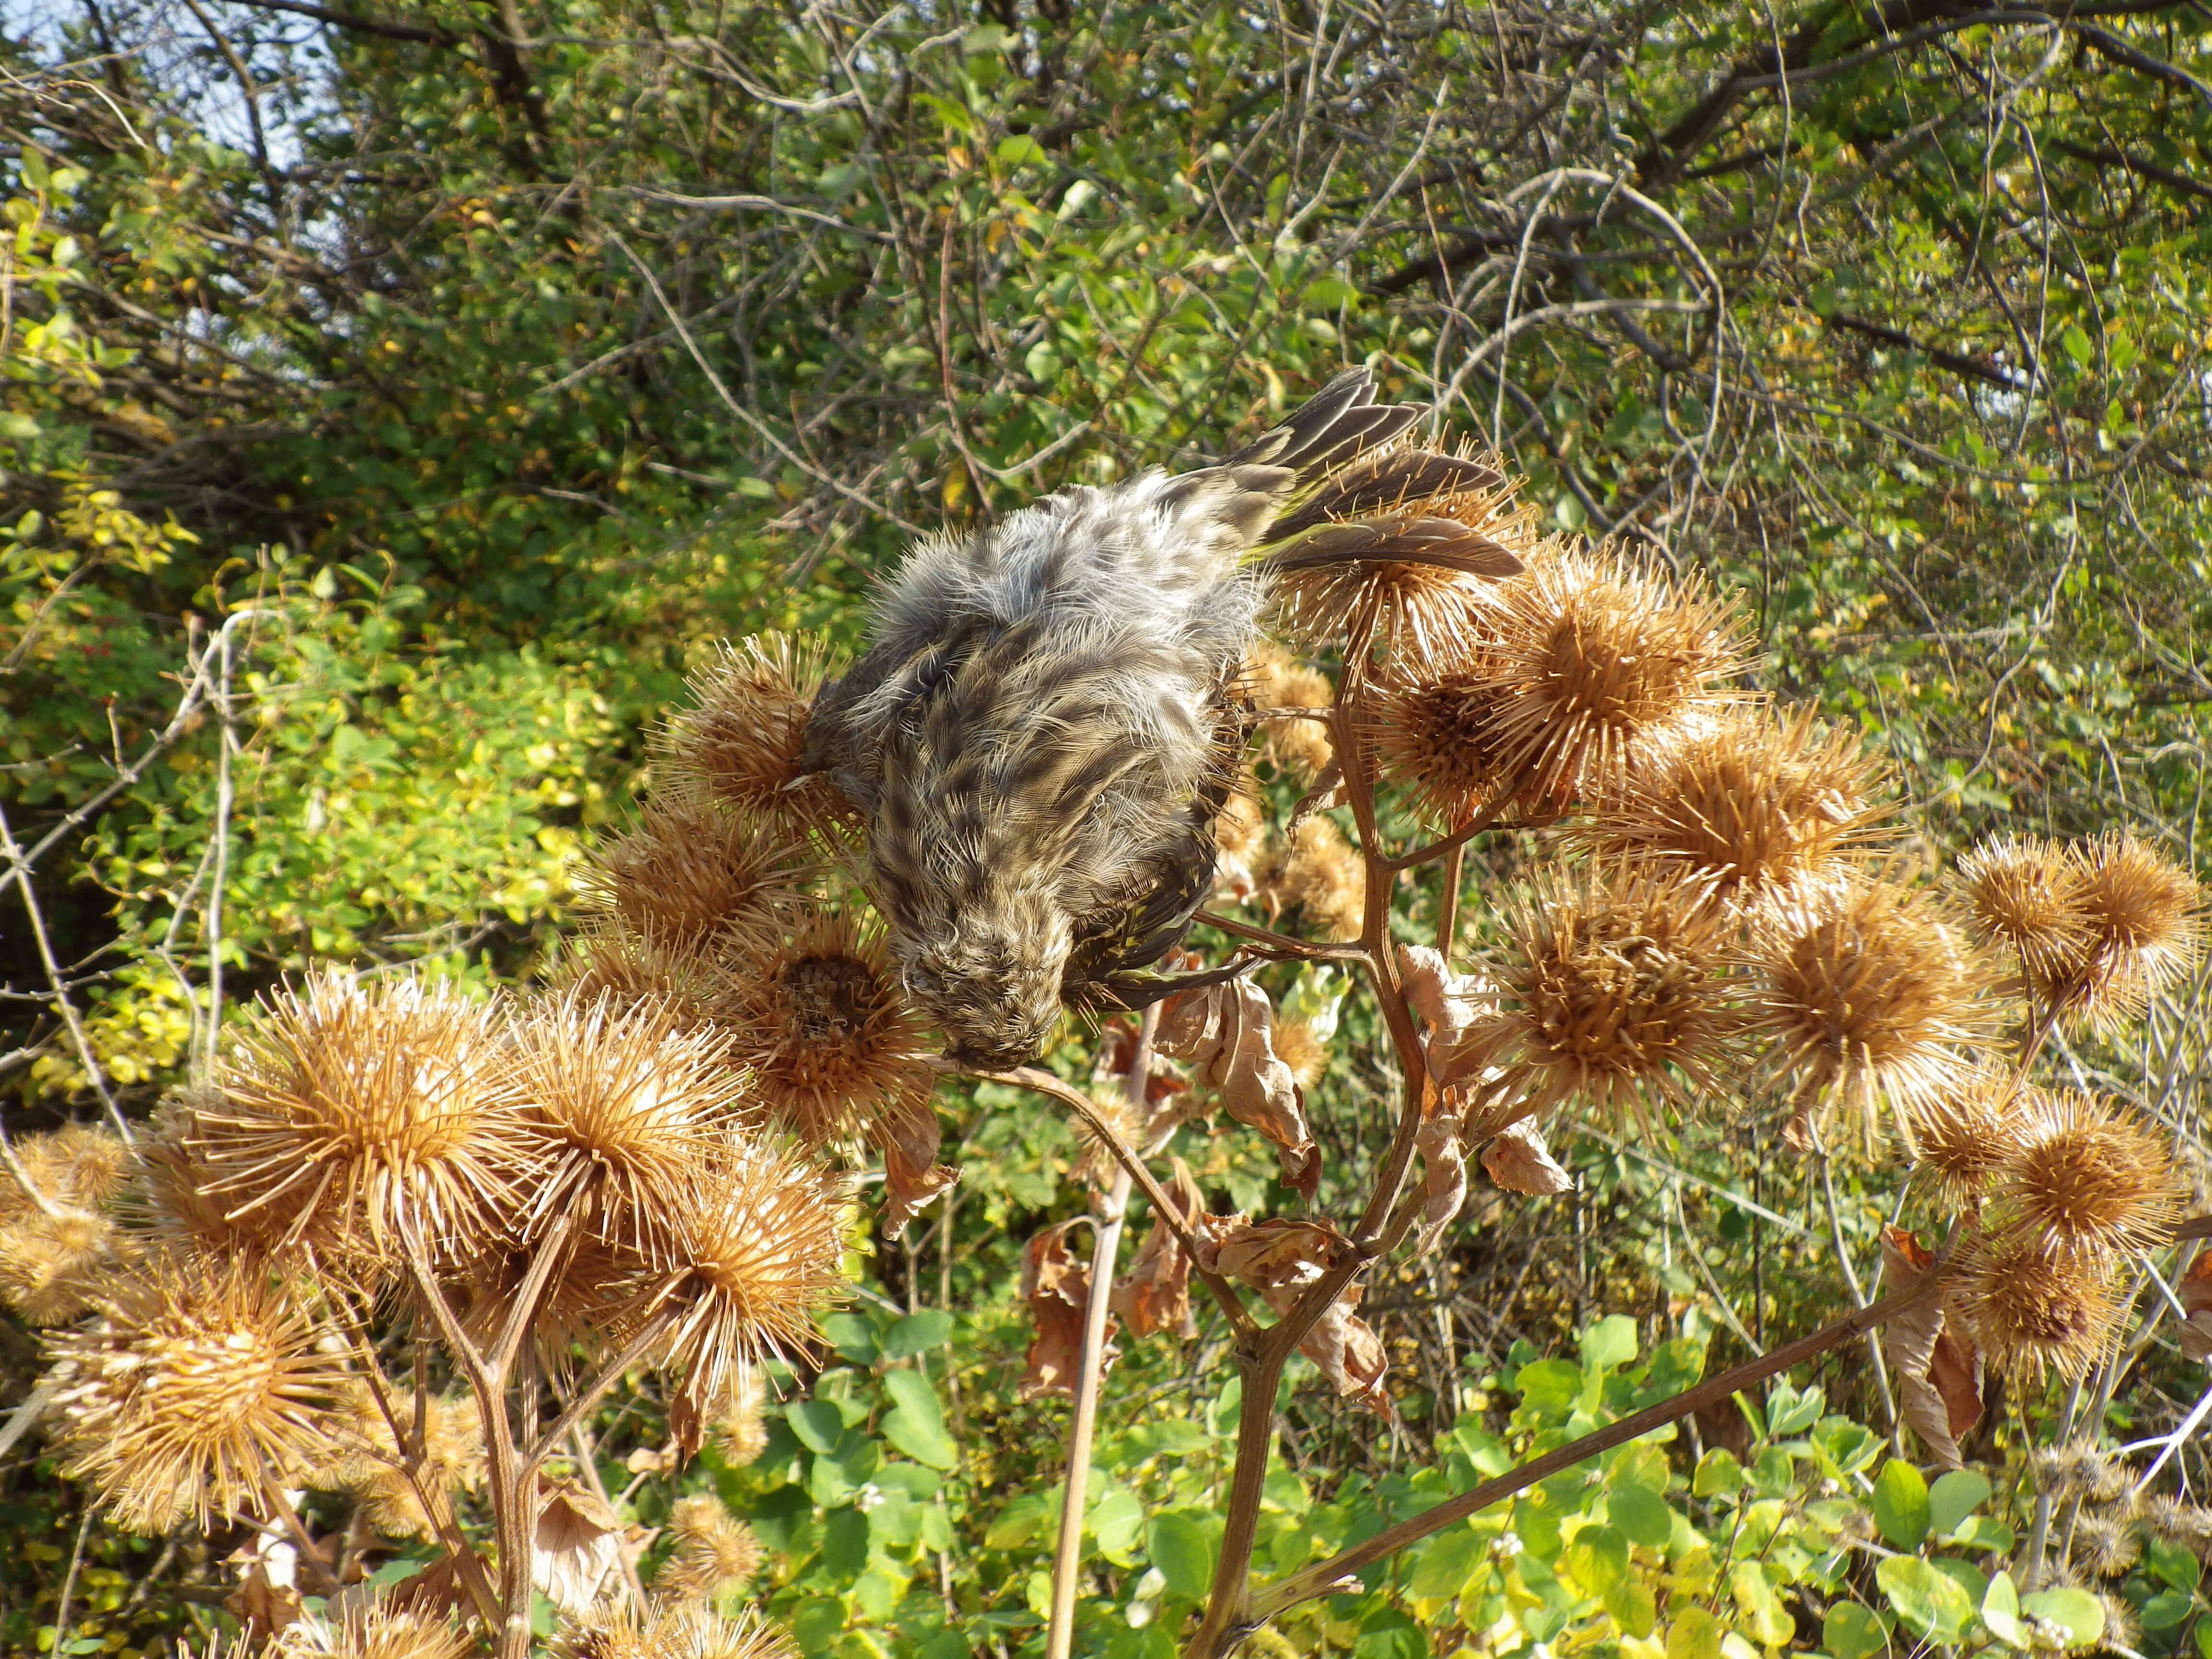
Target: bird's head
990 979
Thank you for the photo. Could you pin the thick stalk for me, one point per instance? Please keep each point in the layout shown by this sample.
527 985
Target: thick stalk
1107 1212
1322 1576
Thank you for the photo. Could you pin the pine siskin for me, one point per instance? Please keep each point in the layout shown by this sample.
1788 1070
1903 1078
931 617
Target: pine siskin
1045 727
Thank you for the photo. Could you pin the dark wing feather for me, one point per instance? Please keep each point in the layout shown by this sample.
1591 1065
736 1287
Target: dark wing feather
1409 540
1383 482
1329 428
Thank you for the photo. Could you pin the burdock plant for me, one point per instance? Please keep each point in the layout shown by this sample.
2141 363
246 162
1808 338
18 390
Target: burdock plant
401 1244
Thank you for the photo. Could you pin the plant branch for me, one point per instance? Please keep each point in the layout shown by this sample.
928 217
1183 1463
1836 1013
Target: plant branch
1109 1210
1282 942
1042 1082
1321 1579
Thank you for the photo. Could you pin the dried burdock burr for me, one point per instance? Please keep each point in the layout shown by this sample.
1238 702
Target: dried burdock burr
50 1266
1436 734
621 1108
758 1252
715 1552
2106 1546
815 1017
1864 993
379 1631
1046 721
2085 1178
1274 678
739 743
690 870
1605 663
79 1166
1320 876
368 1464
203 1390
2144 916
2035 1311
2026 893
361 1116
1611 993
737 1428
688 1631
1965 1136
1756 807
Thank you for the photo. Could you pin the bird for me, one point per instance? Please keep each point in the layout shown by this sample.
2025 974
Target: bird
1045 720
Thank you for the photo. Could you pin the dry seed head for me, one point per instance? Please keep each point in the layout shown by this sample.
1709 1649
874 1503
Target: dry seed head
381 1631
2027 894
1866 992
79 1166
2168 1517
2033 1311
50 1266
203 1391
818 1020
740 741
688 1631
613 961
593 1285
740 1434
1321 875
1240 836
624 1107
1964 1136
1612 994
1606 663
1297 1047
179 1207
1274 678
353 1112
2085 1178
367 1464
1438 736
1420 613
759 1248
2123 1629
691 870
2105 1545
2071 1470
1757 807
2145 918
715 1552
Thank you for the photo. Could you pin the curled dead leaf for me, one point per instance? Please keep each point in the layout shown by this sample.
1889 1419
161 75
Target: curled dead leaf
2194 1287
1938 1367
1448 1003
912 1175
1225 1032
1279 1259
1443 1177
577 1545
1057 1287
1517 1159
1155 1294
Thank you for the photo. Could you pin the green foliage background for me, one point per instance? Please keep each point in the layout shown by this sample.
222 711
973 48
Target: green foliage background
408 392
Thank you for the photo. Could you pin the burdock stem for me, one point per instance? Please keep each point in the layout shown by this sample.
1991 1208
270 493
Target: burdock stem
1107 1212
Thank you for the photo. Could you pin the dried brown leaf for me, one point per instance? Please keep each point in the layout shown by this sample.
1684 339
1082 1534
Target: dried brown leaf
1443 1177
1519 1161
1224 1030
2195 1289
1939 1370
1279 1259
1057 1287
578 1543
1155 1294
908 1131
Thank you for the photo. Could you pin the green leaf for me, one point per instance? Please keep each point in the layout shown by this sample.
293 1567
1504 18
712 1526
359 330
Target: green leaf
844 1543
2079 1613
910 1392
925 1443
2174 1563
1696 1634
1597 1559
2167 1609
1763 1617
1851 1631
1788 1412
918 1332
854 1336
1633 1607
1017 1523
1390 1634
1717 1473
1932 1603
1955 1496
2076 345
1446 1564
1643 1514
1900 1505
1550 1385
1985 1532
2001 1612
817 1422
1116 1521
1180 1546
